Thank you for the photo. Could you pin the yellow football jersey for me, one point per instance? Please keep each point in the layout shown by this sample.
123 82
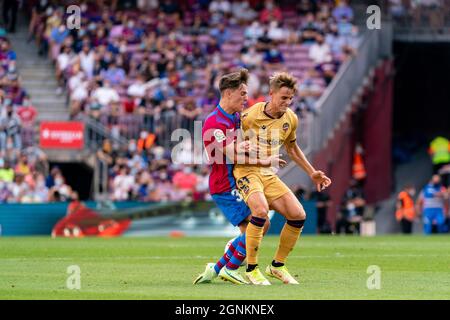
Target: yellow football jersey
268 133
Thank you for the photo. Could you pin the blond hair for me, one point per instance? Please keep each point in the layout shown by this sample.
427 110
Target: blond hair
233 80
283 79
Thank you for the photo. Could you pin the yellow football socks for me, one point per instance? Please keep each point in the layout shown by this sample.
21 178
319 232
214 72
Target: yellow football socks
288 238
253 238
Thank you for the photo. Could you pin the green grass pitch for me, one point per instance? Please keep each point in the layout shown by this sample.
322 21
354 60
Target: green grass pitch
328 267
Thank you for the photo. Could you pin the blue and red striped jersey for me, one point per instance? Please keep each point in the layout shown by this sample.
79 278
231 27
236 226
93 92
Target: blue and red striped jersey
219 129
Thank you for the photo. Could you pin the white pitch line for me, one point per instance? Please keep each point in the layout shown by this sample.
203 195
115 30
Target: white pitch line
340 256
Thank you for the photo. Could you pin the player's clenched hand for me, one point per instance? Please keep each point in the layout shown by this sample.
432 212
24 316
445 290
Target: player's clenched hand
320 180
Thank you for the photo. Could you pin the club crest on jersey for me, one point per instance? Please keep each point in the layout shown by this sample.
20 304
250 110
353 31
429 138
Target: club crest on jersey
285 126
219 135
242 184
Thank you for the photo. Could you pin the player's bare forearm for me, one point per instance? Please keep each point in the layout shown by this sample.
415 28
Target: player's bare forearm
297 155
243 155
318 177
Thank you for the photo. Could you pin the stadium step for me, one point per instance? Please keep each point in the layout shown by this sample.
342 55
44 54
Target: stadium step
50 100
70 156
61 116
35 64
35 90
33 84
36 93
37 74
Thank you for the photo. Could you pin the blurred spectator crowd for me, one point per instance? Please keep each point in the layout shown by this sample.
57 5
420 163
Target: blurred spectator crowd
145 172
17 114
434 14
156 68
28 179
142 66
22 166
146 68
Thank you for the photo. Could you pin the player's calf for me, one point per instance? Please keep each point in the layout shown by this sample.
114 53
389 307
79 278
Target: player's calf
288 238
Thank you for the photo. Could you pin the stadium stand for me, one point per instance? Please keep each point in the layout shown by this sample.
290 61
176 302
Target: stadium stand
134 71
155 68
23 166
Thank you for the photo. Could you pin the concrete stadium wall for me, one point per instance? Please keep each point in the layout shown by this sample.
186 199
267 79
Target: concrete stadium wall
377 136
372 126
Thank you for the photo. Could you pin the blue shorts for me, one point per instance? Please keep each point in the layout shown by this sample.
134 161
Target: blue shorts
232 206
431 215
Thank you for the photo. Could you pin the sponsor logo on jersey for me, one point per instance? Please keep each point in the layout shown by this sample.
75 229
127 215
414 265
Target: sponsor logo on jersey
219 135
270 142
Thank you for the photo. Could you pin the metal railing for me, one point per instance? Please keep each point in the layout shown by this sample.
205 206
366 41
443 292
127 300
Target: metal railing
161 124
100 183
96 133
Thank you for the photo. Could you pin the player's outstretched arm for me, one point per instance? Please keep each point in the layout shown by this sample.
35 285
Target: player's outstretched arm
221 145
318 177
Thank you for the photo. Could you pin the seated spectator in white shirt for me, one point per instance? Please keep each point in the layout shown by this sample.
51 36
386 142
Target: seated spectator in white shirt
138 88
18 188
276 33
122 185
105 94
251 58
243 12
222 6
320 51
87 60
79 93
254 32
219 9
64 59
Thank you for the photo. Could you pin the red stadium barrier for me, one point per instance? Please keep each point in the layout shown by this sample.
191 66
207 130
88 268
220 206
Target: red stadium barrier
83 221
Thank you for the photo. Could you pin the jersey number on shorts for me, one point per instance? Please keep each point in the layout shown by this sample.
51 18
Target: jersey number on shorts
237 194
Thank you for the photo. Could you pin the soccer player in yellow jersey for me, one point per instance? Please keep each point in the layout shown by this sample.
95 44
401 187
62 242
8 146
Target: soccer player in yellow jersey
271 125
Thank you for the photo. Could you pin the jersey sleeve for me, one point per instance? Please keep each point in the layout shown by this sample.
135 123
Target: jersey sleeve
293 134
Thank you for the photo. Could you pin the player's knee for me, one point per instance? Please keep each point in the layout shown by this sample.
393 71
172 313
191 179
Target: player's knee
260 211
300 214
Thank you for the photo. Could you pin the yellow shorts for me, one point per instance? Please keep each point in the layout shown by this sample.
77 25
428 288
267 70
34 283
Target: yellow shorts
271 186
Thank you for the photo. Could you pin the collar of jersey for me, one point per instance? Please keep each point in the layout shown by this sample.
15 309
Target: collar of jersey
228 115
268 115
